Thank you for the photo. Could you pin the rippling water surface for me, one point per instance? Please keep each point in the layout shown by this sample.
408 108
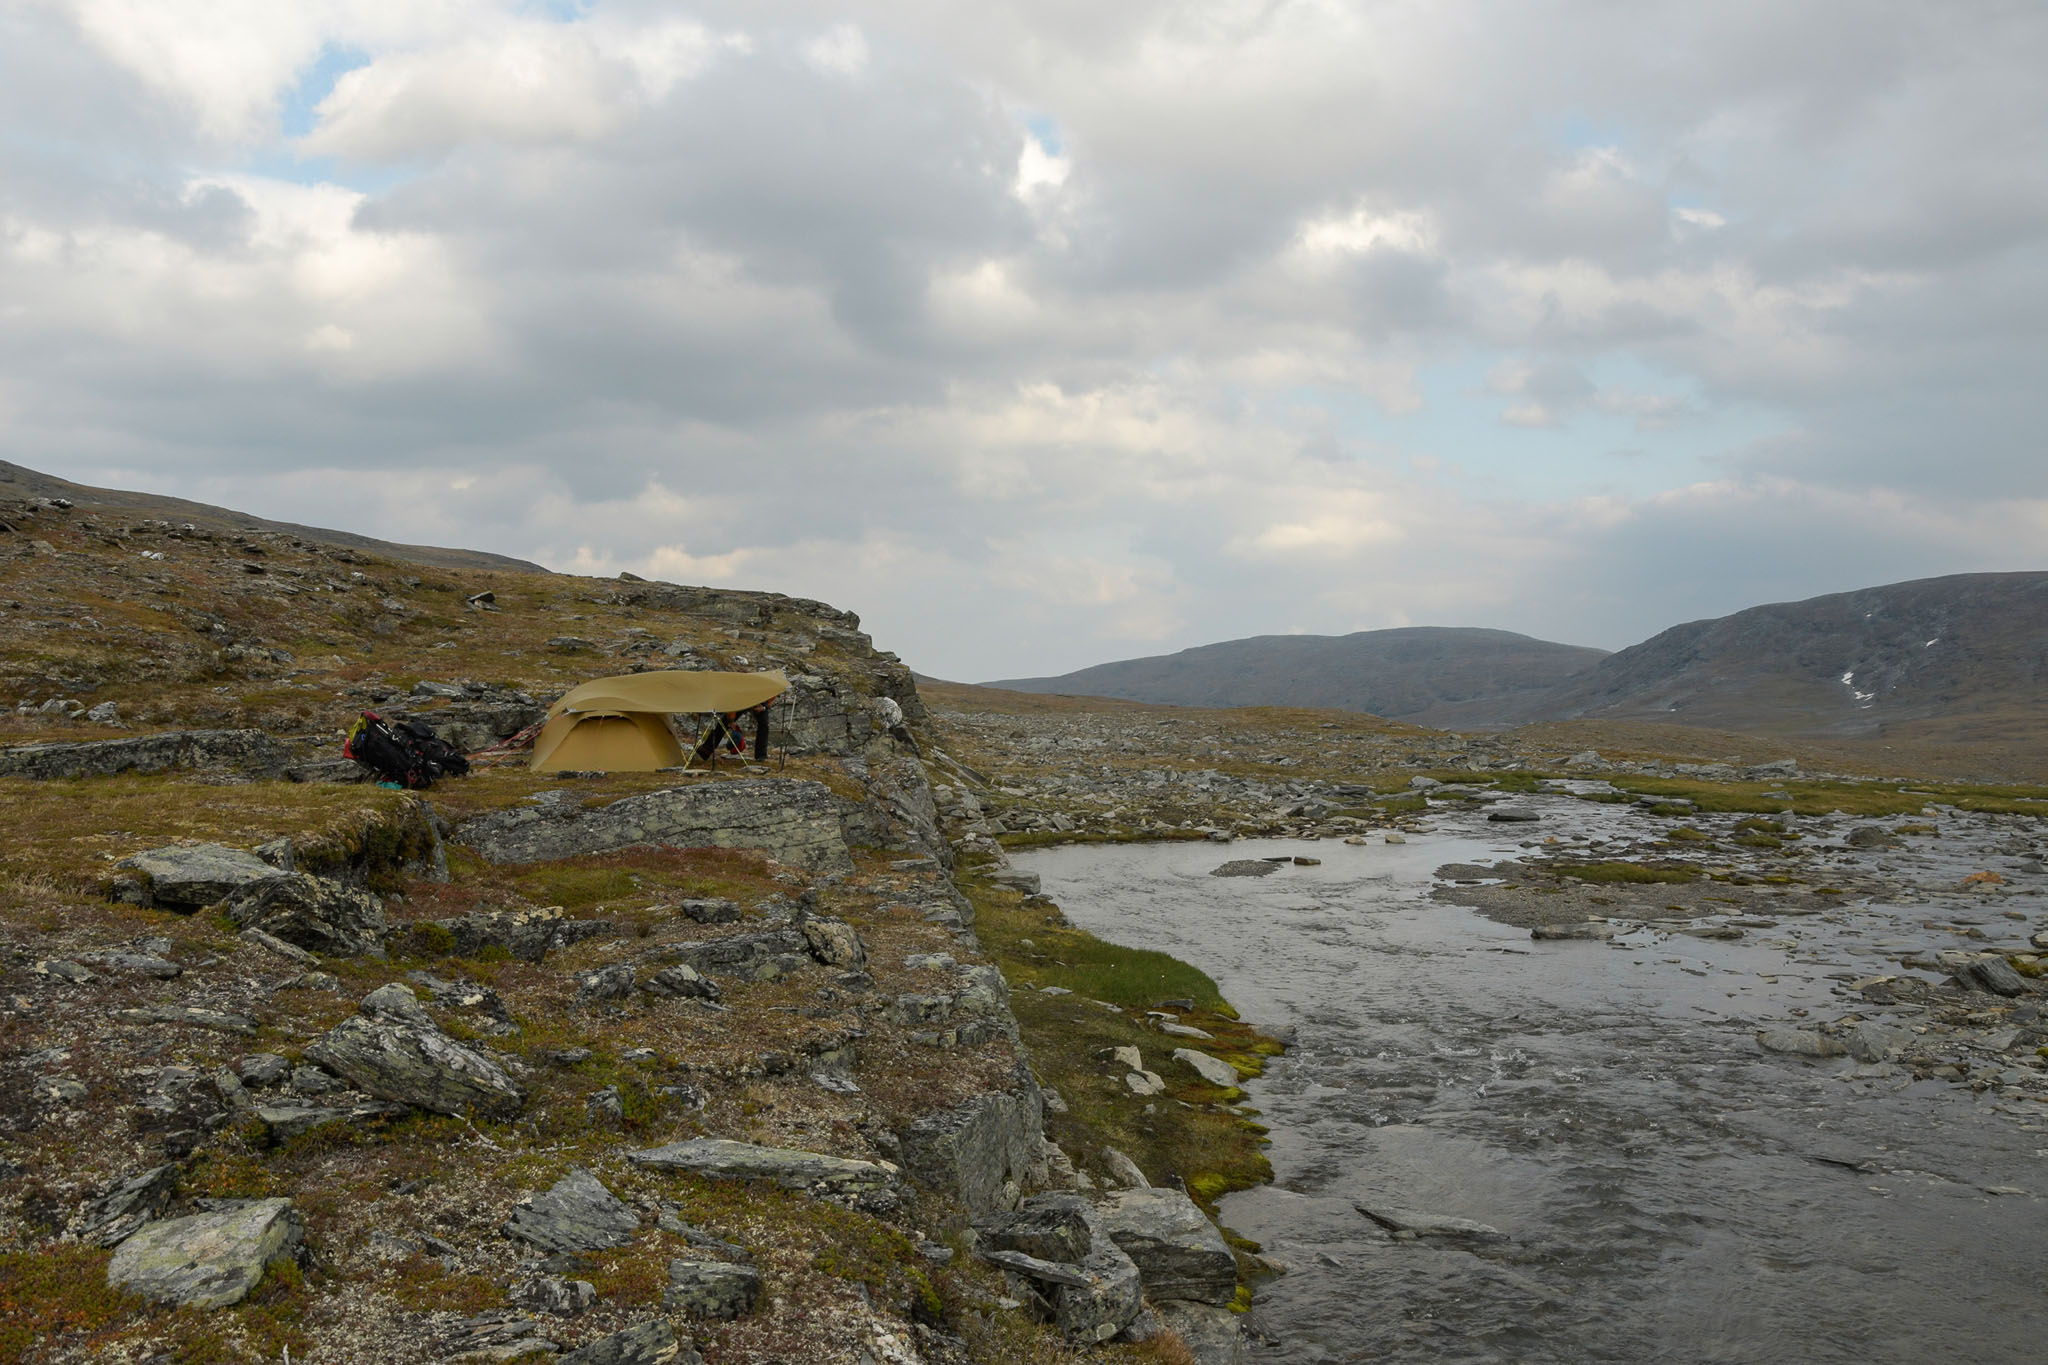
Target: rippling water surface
1668 1192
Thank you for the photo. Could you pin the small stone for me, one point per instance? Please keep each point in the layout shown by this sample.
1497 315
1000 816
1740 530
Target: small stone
1993 974
188 876
711 1289
1395 837
1414 1224
417 1065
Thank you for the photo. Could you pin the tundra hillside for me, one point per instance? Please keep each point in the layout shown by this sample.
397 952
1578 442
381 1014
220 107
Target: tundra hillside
605 1068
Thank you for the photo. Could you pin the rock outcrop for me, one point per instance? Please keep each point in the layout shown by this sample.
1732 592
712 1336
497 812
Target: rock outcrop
792 821
248 753
981 1152
313 913
867 1184
1178 1251
210 1259
189 876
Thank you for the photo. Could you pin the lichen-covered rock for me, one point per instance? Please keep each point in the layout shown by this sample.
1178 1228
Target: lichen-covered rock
207 1260
648 1343
773 952
524 934
313 913
417 1065
1213 1335
1055 1229
867 1183
116 1215
681 981
604 983
711 1289
577 1213
188 876
1178 1251
980 1152
250 753
835 943
794 822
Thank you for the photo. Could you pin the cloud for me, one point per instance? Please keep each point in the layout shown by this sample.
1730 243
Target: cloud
1042 333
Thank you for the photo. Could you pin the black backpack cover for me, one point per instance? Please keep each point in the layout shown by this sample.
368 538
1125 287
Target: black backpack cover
407 753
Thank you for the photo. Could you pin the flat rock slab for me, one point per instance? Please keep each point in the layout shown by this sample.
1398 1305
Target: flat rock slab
647 1343
793 821
813 1172
249 752
1799 1042
577 1213
1431 1224
711 1289
188 876
1246 867
417 1066
1178 1251
209 1260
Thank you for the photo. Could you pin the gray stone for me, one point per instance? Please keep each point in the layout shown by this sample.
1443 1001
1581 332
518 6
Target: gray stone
1431 1224
207 1260
188 876
417 1066
1871 836
1590 929
524 934
1106 1303
774 952
163 969
1246 867
397 1003
1051 1228
1214 1070
270 943
681 981
116 1214
979 1152
1123 1170
188 1014
604 983
1869 1042
648 1343
1027 882
867 1183
793 821
250 753
554 1295
1178 1251
311 1080
711 1289
835 943
1993 974
710 910
1799 1043
1213 1335
263 1068
311 913
577 1213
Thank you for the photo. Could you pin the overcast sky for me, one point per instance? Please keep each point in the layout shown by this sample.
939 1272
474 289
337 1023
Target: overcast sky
1043 334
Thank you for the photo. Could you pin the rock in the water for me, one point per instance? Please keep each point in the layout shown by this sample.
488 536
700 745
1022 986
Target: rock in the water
1213 1335
1868 1042
711 1289
248 752
1246 867
188 876
417 1065
794 822
1512 815
1178 1251
1993 974
1214 1070
647 1343
207 1260
835 943
312 913
1800 1043
1431 1224
1590 929
577 1213
1871 836
863 1182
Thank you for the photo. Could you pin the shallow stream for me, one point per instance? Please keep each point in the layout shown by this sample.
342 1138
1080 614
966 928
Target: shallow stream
1665 1190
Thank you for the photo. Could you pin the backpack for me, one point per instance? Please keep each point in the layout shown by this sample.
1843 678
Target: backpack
407 753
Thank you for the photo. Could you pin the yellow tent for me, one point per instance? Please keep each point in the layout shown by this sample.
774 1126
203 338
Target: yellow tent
614 724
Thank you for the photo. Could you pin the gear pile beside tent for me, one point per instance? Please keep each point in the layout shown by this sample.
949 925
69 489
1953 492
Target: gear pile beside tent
615 724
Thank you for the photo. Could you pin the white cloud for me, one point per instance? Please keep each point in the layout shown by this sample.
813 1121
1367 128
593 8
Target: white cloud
841 50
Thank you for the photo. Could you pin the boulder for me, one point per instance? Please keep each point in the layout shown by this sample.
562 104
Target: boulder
979 1152
312 913
188 876
793 821
772 953
604 983
576 1213
865 1183
1123 1170
711 1289
417 1065
1213 1335
648 1343
1513 815
835 943
1050 1229
710 910
249 753
1799 1043
555 1295
286 1120
1107 1300
1214 1070
207 1260
1178 1251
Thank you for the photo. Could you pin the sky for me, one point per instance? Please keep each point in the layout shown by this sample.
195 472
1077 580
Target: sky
1044 334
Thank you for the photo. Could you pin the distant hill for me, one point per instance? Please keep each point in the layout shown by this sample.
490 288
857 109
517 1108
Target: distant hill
1426 675
18 481
1965 656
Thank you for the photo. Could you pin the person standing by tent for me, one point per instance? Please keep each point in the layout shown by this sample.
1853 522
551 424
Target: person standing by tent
760 715
723 733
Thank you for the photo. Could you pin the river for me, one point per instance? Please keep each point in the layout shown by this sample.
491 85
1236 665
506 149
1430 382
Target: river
1664 1189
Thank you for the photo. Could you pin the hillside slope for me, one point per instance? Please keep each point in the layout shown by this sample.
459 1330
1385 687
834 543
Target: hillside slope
1953 655
1426 675
20 482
